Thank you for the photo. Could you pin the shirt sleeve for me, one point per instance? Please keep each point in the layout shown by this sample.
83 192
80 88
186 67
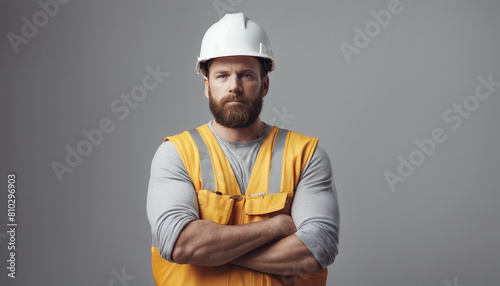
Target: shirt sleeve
171 199
315 209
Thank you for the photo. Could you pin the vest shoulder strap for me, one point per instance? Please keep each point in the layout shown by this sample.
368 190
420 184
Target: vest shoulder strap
291 152
190 155
298 151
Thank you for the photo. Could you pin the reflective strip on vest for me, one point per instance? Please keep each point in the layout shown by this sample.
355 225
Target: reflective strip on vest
207 171
277 162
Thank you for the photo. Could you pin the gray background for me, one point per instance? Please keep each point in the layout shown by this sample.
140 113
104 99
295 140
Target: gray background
441 226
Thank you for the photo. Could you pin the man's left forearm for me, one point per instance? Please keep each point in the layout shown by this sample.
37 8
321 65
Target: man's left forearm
288 256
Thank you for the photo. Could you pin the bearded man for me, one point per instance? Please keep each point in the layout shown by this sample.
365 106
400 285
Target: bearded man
237 201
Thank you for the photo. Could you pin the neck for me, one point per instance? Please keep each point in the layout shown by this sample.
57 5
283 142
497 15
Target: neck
243 134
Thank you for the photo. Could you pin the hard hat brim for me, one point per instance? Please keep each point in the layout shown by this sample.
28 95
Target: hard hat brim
257 55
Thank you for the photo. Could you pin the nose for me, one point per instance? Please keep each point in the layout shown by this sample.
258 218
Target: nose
235 84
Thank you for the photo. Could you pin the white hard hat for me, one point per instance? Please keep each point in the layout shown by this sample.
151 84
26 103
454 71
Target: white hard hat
235 35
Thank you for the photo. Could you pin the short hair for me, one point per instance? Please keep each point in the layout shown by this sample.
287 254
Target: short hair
265 66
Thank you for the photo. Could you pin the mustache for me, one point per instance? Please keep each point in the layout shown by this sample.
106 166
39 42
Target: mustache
234 97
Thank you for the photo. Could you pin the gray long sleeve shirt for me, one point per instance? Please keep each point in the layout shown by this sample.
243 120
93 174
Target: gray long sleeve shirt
172 201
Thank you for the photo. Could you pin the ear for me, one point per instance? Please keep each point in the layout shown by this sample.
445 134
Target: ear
205 79
265 85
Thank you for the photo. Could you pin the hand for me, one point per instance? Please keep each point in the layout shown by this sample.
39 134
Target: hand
287 209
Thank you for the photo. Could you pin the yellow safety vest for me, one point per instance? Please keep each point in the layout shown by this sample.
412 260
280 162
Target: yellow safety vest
279 164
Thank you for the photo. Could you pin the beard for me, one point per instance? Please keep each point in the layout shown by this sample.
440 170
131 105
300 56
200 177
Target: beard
237 115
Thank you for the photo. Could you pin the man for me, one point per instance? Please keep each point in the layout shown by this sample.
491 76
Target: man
237 201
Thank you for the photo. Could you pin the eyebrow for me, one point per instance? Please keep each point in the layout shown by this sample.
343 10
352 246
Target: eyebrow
247 71
239 72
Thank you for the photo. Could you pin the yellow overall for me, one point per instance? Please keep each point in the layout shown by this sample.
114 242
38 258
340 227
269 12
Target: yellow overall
279 164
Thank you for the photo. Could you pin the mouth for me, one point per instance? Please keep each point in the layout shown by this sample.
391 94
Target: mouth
234 101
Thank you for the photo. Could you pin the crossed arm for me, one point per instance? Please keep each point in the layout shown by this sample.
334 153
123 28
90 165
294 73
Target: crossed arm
268 246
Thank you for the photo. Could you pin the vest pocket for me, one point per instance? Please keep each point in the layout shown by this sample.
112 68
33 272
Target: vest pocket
266 204
215 207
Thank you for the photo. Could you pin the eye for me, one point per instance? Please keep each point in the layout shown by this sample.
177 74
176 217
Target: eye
247 75
222 76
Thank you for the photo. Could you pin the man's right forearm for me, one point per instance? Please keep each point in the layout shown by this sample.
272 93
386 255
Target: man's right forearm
204 242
